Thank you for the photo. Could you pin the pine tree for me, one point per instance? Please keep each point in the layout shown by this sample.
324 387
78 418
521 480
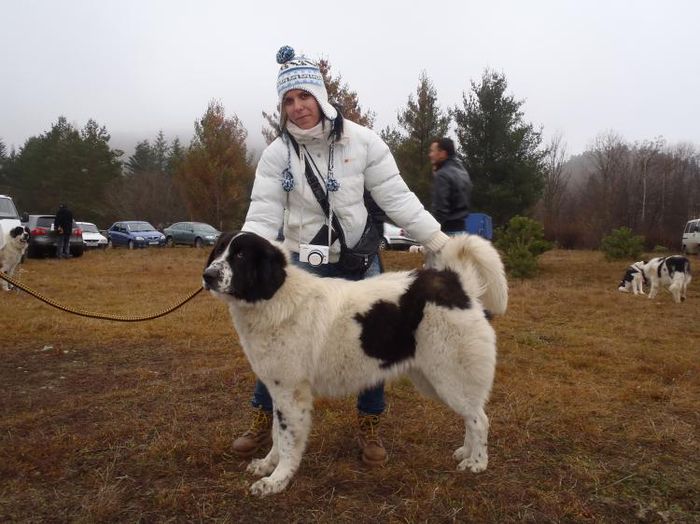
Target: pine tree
4 186
143 160
177 154
420 122
161 151
502 152
149 190
69 165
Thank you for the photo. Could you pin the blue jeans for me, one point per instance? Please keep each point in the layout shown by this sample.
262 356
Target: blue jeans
63 246
370 401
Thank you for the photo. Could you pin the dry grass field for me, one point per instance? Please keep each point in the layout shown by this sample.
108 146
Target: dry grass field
594 413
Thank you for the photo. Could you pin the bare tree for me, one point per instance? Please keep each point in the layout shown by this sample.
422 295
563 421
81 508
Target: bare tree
556 180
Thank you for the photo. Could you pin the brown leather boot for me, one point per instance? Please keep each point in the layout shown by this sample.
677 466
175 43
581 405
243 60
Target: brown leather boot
259 434
373 452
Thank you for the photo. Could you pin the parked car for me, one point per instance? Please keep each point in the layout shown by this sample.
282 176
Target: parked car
9 218
195 234
396 238
92 238
133 234
690 243
43 239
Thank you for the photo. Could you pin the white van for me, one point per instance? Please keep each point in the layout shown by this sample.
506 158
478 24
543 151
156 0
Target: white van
691 237
9 218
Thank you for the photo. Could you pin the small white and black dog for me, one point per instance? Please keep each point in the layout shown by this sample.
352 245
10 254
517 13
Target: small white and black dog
16 240
671 272
633 279
305 336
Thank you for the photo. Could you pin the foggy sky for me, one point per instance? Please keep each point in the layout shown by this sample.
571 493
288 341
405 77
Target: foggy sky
136 67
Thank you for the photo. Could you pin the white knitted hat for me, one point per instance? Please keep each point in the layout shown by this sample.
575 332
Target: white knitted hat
298 72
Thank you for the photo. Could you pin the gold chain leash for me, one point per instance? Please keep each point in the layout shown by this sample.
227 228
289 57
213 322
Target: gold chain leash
99 316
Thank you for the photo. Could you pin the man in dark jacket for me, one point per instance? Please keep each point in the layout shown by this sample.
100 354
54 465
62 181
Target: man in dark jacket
452 187
63 226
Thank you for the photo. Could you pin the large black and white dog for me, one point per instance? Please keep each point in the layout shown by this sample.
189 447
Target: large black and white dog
15 245
671 272
307 336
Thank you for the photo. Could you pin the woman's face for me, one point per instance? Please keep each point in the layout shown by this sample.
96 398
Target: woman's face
301 108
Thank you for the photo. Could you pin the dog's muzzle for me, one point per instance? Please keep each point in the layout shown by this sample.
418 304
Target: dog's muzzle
211 278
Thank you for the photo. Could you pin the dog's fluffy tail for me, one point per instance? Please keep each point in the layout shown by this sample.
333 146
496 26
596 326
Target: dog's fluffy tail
481 269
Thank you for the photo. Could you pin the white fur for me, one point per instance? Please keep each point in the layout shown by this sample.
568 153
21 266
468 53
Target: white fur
11 254
676 285
305 341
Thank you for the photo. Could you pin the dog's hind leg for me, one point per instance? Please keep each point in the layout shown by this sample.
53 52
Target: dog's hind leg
292 411
466 398
461 373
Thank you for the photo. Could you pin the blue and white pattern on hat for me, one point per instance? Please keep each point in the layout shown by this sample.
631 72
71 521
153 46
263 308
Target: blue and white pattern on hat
298 72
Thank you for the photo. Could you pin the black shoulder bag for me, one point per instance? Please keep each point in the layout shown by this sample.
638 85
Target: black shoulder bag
355 260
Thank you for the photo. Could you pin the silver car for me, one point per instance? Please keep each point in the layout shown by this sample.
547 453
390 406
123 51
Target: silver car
195 234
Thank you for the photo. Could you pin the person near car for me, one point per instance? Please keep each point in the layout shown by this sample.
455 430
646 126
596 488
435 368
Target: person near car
350 159
63 226
452 187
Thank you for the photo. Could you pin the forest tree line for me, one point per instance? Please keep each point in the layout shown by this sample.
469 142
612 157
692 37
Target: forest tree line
651 187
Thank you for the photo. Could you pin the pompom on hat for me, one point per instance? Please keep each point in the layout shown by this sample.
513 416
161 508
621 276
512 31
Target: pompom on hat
298 72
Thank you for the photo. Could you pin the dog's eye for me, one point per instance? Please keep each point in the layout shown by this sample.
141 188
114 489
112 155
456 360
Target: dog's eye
239 254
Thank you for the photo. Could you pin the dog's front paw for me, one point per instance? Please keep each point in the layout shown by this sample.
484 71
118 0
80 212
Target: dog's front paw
267 486
260 467
475 465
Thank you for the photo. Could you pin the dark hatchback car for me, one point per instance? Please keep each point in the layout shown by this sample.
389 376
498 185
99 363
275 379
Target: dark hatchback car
43 239
133 234
195 234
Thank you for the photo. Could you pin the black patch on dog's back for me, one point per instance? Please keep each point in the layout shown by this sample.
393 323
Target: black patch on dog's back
676 264
388 330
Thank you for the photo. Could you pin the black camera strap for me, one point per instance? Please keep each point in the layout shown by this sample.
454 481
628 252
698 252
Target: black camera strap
321 197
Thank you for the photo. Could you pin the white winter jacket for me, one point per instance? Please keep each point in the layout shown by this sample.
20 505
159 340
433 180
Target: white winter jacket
361 160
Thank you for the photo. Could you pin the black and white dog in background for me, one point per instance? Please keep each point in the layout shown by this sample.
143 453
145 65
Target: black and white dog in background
305 336
671 272
633 280
14 247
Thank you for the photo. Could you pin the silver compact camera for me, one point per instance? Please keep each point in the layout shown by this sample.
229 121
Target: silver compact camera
313 255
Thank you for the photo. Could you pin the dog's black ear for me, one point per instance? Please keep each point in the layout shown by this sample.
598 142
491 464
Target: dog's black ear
16 231
258 268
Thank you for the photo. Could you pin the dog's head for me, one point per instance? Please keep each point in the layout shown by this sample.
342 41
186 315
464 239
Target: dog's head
19 235
246 266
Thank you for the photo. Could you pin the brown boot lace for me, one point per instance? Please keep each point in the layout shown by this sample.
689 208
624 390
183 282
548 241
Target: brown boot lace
369 427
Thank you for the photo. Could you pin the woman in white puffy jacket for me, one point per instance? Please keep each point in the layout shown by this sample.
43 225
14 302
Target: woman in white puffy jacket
347 159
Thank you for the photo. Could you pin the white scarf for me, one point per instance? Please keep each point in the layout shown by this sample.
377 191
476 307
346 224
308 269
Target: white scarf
308 136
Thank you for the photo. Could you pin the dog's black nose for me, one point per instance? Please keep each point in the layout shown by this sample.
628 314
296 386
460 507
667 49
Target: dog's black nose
210 276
